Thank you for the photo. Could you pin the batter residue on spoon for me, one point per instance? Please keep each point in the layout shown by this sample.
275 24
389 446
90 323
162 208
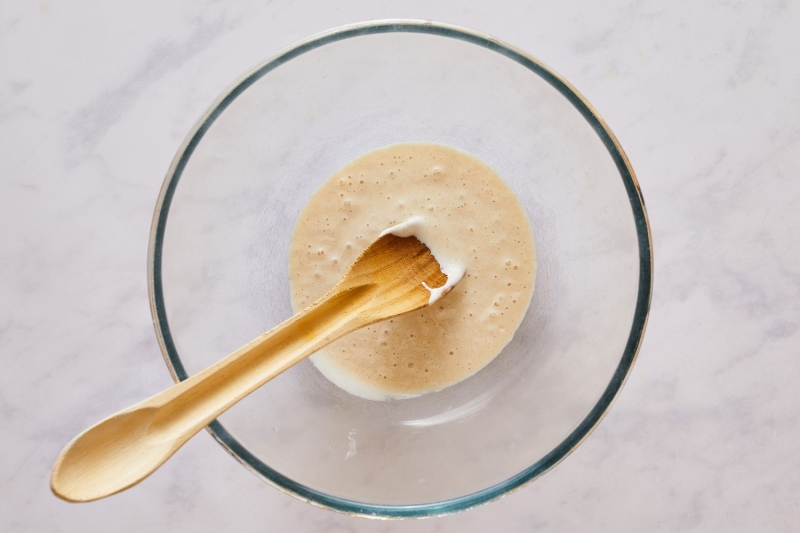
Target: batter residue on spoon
467 215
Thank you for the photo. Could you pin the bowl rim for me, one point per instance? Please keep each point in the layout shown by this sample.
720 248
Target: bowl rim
641 312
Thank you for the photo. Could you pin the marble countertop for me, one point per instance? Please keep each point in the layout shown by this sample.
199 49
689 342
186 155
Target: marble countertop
95 98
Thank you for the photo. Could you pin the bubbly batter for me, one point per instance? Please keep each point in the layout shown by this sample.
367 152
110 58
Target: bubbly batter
473 216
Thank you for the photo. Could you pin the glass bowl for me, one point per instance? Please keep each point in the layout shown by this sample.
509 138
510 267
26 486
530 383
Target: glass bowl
224 219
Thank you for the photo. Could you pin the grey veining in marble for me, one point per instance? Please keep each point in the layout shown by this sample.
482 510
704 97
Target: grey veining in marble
95 98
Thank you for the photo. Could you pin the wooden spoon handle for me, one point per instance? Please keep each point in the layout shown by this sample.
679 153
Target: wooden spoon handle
126 447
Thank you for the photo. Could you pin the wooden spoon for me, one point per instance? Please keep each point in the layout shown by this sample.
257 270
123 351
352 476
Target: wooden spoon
119 452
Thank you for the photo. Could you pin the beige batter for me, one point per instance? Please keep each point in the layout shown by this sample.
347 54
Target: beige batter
476 219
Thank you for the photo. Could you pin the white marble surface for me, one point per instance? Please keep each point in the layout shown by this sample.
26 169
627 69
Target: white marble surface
95 98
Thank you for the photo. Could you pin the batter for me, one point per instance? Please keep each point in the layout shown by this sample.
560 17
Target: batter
472 215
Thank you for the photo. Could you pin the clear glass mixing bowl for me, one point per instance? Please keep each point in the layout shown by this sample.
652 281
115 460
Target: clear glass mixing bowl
223 222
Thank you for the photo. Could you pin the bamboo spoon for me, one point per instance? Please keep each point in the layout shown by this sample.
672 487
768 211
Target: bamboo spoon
119 452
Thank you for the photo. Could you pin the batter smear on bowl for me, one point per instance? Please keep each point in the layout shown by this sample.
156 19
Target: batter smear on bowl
469 218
